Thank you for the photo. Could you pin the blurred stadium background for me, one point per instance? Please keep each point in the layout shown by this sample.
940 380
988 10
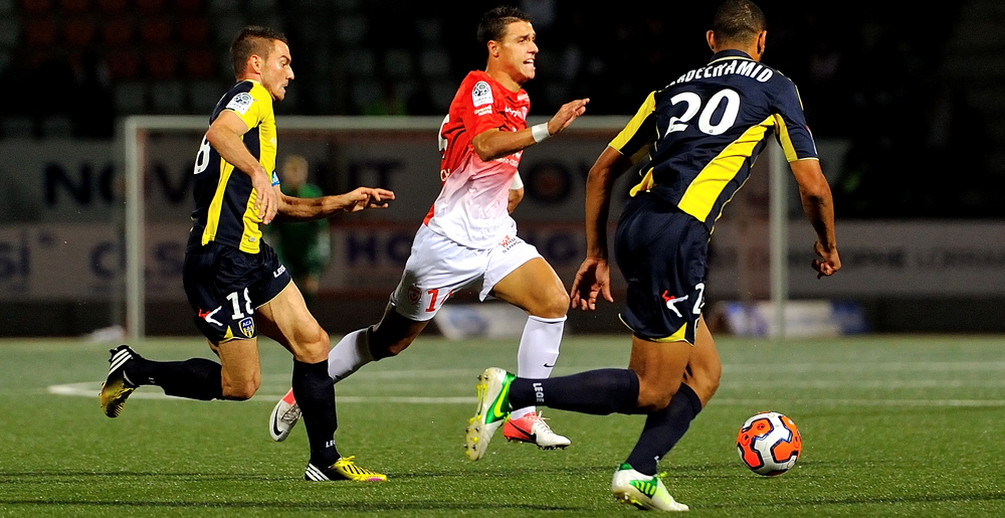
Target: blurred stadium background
906 101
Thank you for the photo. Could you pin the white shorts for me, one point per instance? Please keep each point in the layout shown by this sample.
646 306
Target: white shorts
439 266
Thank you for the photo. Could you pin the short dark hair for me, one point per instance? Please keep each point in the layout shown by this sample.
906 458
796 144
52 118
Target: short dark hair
493 24
738 21
253 39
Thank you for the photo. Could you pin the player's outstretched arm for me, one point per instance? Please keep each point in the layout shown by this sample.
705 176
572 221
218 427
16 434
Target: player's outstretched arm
292 208
818 205
496 143
363 198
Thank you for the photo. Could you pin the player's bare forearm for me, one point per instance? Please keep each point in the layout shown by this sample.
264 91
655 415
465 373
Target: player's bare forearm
593 278
309 209
609 165
495 143
818 205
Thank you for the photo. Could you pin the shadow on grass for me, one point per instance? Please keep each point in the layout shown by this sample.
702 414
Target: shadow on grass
367 501
877 500
436 505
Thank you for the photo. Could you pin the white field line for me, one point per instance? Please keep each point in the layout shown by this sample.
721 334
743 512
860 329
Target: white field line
869 366
90 389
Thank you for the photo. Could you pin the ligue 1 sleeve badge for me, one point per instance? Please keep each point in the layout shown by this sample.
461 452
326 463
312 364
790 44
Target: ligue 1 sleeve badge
481 94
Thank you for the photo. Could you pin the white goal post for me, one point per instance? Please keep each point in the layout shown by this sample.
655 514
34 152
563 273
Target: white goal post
135 137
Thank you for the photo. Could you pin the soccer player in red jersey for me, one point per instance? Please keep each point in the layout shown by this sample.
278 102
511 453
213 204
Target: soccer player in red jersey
468 239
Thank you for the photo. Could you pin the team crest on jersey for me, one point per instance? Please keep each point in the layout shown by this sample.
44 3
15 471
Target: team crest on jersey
241 102
481 94
248 327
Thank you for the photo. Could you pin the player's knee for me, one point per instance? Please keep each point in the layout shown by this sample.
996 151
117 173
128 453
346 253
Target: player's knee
654 397
704 380
652 402
556 305
710 384
240 391
560 304
314 346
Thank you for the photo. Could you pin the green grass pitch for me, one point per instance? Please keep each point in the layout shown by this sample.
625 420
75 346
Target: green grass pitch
906 426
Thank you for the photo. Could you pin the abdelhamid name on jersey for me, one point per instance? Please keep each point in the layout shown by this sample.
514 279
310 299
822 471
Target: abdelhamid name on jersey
703 131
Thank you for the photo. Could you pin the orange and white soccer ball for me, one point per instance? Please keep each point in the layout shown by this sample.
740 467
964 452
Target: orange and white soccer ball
769 443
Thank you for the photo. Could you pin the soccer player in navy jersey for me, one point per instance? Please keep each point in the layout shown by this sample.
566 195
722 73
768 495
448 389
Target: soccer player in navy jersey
701 133
468 239
234 281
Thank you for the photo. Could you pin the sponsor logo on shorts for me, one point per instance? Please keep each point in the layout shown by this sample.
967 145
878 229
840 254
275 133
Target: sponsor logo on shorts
671 301
509 242
279 271
208 316
248 327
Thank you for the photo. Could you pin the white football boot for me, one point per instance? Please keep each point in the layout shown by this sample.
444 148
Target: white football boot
284 416
643 491
493 409
532 428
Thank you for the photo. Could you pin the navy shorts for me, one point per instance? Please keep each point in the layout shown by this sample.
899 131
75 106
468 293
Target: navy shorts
225 286
662 253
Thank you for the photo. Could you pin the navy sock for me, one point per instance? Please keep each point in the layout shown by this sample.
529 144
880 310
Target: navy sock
196 378
315 393
663 429
598 392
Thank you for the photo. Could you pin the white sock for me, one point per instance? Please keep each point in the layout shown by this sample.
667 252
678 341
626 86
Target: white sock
538 352
349 354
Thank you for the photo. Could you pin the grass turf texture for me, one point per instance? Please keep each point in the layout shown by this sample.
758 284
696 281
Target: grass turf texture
891 426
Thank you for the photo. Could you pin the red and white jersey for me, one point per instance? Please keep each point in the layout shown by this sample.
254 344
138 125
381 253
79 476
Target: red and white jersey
471 207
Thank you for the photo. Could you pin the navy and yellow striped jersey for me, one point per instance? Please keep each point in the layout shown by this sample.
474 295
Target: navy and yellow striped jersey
224 199
703 132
